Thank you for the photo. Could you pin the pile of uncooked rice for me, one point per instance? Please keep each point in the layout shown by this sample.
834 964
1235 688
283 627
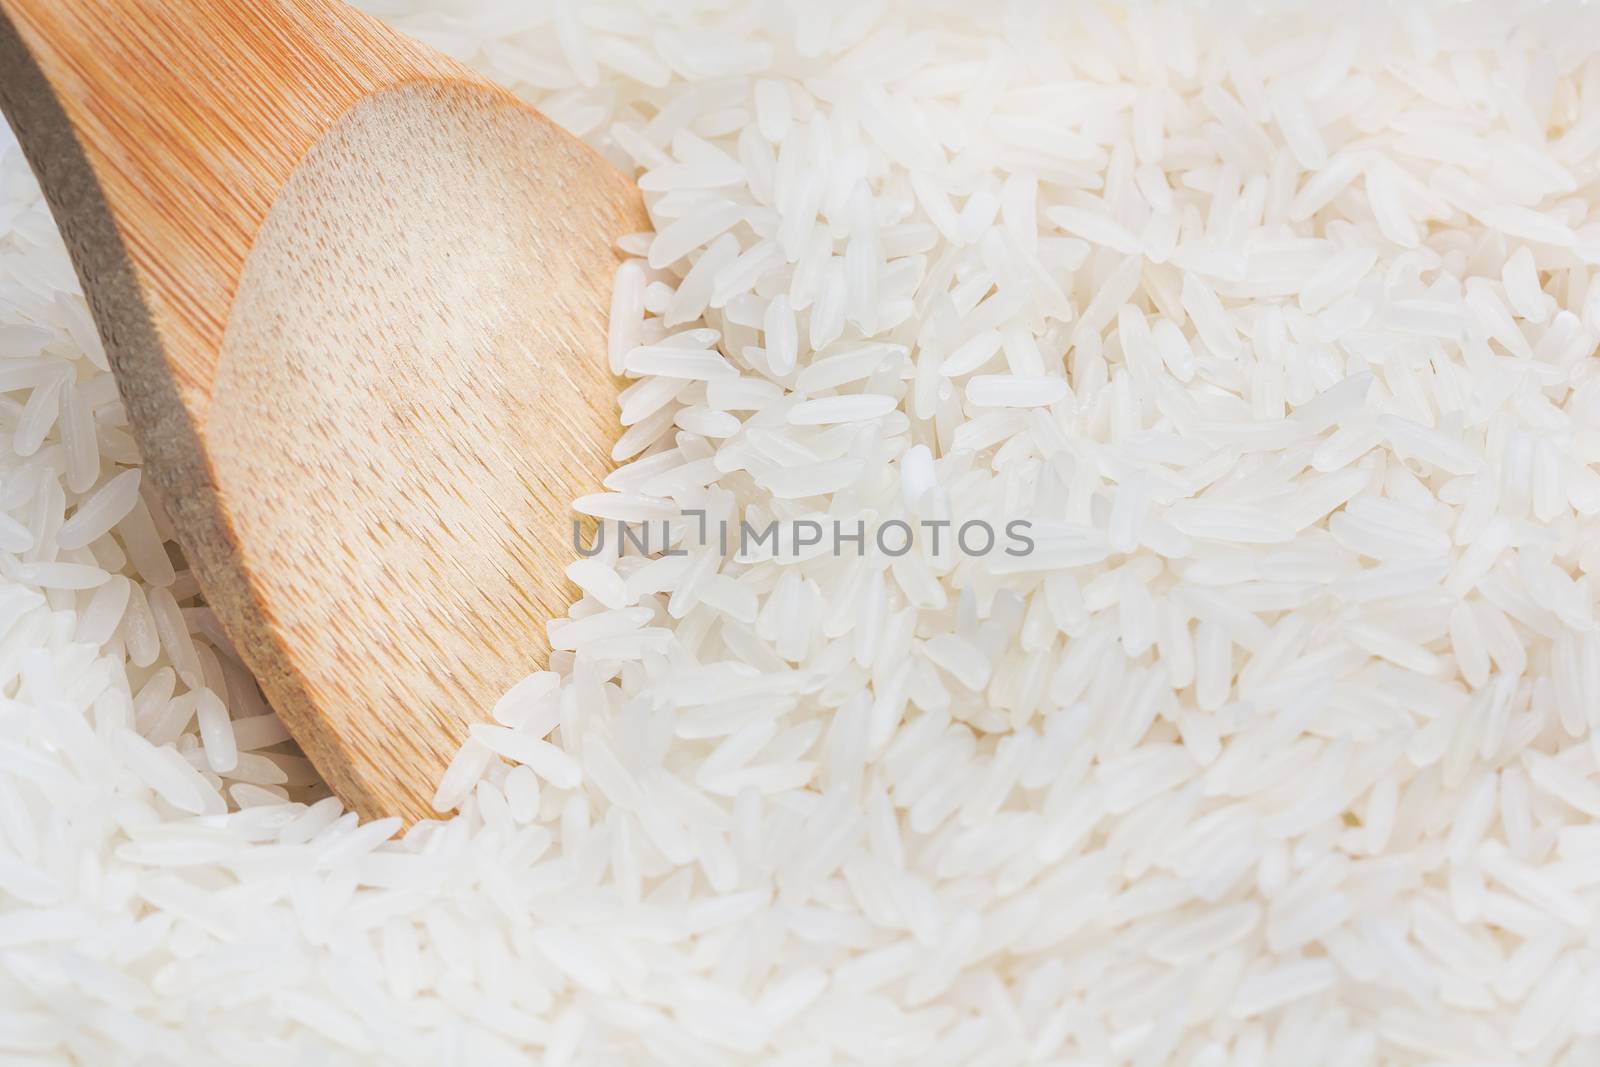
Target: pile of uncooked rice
1282 746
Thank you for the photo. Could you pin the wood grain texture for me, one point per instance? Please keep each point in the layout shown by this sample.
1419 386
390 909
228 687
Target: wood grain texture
354 297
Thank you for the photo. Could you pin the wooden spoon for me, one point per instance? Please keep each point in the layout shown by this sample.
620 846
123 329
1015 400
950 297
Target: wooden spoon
355 299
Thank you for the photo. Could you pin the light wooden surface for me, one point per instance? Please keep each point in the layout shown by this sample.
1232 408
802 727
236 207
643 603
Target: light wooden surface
354 297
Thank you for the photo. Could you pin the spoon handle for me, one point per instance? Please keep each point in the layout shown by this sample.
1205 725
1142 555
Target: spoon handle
162 130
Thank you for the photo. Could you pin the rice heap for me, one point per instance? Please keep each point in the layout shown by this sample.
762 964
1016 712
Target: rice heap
1281 746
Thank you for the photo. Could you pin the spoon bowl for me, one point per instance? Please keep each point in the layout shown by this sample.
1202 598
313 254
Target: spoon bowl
355 297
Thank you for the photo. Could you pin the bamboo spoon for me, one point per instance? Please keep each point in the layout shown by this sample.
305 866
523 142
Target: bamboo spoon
354 296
